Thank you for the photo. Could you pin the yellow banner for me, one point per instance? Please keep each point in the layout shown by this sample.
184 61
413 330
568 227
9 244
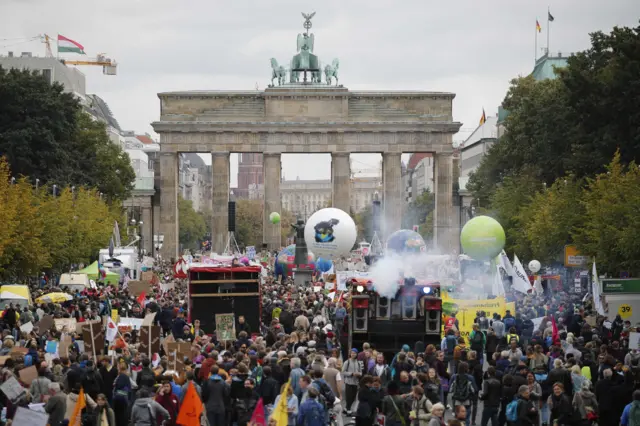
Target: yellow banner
466 310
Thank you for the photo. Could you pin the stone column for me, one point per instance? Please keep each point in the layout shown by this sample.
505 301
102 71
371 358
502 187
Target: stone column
446 230
169 204
147 230
393 197
272 172
220 201
341 181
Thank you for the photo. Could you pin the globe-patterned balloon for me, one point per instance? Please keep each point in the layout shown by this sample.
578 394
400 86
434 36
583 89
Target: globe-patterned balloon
406 241
323 265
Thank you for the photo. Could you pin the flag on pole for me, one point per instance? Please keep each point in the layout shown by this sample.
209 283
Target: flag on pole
483 119
112 330
538 27
497 289
67 45
550 17
554 329
191 408
141 298
76 417
520 278
280 412
504 263
595 289
116 234
258 417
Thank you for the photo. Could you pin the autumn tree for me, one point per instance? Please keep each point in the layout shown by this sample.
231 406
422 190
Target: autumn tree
610 230
420 212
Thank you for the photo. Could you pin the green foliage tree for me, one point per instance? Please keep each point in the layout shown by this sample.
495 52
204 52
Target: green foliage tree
249 223
551 218
45 135
610 230
192 227
420 212
364 224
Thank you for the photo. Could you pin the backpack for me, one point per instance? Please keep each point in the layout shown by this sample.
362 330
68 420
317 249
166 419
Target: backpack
326 397
477 338
512 411
463 389
509 322
451 344
634 414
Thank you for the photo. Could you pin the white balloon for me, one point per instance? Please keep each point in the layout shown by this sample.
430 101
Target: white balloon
330 233
534 266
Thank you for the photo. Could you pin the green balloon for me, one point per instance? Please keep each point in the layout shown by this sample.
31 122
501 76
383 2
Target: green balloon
274 217
482 238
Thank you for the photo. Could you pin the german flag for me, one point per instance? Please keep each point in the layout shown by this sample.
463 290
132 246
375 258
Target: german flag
483 119
538 27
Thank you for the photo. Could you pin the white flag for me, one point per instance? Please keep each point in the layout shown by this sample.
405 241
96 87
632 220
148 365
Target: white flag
497 288
595 289
112 330
520 278
504 263
537 284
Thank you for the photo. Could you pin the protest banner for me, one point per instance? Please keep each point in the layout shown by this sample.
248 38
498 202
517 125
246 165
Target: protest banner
466 310
150 339
136 288
68 325
225 327
93 337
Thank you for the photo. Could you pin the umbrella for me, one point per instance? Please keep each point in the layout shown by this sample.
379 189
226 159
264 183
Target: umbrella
54 298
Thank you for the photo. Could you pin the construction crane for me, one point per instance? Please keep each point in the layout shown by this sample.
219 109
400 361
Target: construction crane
109 66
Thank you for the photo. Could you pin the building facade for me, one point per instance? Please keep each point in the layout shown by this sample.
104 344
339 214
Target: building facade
418 176
250 174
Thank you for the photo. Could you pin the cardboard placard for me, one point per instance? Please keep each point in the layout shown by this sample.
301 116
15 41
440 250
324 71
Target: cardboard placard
134 323
150 339
18 352
166 341
70 323
167 286
3 359
13 389
225 327
148 319
28 375
26 328
45 323
138 287
93 336
177 351
63 347
146 276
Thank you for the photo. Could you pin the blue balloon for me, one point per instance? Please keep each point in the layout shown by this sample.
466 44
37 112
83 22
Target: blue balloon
324 265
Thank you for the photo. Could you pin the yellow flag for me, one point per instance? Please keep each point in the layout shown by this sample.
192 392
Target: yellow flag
77 411
280 412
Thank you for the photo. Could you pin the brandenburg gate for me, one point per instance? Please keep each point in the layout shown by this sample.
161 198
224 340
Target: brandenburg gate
306 115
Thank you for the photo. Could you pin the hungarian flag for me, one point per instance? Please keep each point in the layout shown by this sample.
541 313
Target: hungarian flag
67 45
191 408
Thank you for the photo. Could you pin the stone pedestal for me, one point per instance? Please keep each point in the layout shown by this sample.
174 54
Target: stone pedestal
393 193
220 201
447 231
147 231
341 181
272 170
302 277
169 204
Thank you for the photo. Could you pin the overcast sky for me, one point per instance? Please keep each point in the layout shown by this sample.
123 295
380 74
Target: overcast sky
468 47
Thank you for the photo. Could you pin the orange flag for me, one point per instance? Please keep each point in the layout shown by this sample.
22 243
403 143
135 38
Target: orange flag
77 412
191 408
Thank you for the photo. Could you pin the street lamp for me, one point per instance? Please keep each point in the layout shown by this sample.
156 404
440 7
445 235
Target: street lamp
37 183
54 187
13 181
140 241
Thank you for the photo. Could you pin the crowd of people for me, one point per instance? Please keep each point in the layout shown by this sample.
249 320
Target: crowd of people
574 368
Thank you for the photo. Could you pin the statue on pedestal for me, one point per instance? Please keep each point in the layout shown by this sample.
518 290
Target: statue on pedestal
301 257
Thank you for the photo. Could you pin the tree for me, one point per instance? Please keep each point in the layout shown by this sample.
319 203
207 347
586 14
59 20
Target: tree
364 224
511 206
192 228
552 217
45 135
249 223
610 230
420 212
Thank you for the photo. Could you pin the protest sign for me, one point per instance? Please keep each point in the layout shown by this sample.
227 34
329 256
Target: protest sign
27 328
225 327
45 323
177 351
146 276
12 389
93 336
28 375
27 417
466 310
150 339
136 288
68 325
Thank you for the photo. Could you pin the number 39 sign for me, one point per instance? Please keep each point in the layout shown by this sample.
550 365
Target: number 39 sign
625 311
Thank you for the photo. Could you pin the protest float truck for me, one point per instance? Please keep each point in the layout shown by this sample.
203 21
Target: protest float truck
215 290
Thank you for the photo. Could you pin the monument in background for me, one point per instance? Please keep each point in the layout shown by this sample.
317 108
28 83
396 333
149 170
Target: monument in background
306 115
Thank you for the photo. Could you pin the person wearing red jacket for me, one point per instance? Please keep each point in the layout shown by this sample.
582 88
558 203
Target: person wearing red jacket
169 402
